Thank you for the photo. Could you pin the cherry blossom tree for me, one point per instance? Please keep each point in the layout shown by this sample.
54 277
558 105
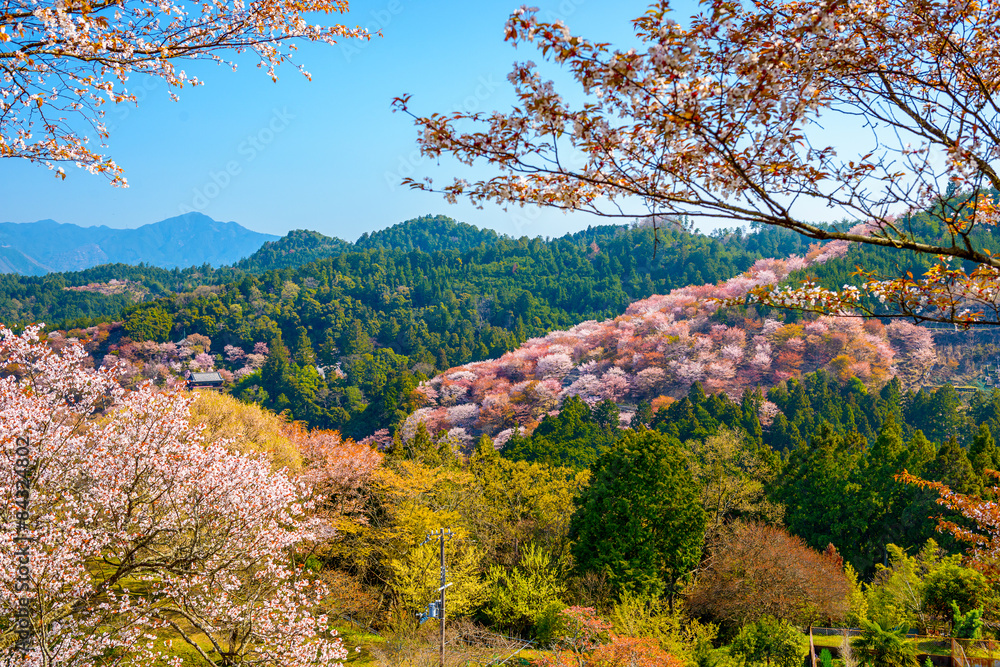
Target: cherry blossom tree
121 529
336 471
554 365
916 348
203 362
62 61
614 384
664 344
234 354
724 116
768 412
980 527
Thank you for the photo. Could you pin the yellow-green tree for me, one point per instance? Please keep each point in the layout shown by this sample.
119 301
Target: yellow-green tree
516 502
411 500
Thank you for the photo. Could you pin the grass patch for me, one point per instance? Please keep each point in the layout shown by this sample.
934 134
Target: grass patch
826 641
358 642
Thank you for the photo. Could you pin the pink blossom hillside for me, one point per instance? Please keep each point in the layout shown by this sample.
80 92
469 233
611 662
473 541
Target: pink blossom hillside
660 347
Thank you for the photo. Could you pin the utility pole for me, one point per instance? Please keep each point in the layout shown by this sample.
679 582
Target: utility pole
440 535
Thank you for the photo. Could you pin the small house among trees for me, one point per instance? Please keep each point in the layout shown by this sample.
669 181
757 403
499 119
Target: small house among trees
211 380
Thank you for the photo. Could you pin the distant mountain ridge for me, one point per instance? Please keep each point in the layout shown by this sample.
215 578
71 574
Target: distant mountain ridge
193 239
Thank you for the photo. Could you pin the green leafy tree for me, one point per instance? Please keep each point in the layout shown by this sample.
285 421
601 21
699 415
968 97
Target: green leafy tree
640 521
841 489
896 513
953 468
968 625
937 413
574 438
304 355
769 641
516 503
950 589
824 502
278 376
643 414
856 601
895 596
733 473
151 323
606 414
983 454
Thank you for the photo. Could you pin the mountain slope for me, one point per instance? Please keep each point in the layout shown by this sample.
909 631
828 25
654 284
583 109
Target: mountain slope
296 248
661 346
192 239
388 318
13 260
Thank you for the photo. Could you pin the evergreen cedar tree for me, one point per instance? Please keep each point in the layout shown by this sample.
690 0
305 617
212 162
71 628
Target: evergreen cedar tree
62 61
721 116
640 521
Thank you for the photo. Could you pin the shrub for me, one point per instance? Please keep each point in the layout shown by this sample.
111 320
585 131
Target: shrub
638 616
517 600
769 641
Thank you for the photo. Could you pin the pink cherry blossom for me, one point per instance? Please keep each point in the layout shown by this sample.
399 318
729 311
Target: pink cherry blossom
124 480
661 346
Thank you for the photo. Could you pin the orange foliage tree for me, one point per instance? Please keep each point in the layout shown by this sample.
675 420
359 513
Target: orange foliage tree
756 570
61 61
590 642
726 116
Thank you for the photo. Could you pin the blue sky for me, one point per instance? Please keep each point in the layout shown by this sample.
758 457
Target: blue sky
325 155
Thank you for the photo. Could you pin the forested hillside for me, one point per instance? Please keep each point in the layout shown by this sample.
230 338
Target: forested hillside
662 345
350 336
50 297
685 527
823 451
635 445
553 400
